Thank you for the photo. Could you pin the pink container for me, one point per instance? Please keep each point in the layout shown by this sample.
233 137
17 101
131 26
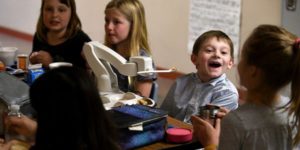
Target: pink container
179 135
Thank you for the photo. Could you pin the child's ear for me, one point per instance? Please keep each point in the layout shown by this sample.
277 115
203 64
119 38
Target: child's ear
255 71
230 64
194 59
256 75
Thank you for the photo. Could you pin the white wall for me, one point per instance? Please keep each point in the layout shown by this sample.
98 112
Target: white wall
167 22
19 15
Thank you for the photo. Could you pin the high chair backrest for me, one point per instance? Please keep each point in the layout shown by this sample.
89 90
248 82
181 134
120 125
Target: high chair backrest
154 91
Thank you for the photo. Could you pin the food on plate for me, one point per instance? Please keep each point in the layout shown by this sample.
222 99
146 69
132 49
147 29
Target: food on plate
145 101
128 96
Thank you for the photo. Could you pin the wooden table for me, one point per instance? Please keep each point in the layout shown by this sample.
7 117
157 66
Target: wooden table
163 144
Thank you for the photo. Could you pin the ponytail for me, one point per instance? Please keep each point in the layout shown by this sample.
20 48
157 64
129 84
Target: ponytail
295 94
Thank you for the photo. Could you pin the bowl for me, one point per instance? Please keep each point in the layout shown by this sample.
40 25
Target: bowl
60 64
8 55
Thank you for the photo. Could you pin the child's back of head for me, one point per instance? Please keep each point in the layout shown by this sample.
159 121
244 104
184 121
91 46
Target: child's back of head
275 51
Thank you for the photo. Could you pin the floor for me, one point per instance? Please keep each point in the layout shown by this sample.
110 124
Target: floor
24 47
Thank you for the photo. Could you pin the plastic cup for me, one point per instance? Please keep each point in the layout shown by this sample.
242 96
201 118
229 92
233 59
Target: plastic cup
8 55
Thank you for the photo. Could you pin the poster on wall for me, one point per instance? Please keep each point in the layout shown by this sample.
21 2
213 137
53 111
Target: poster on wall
221 15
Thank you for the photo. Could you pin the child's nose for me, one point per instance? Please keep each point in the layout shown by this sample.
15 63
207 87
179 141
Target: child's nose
54 13
217 54
109 26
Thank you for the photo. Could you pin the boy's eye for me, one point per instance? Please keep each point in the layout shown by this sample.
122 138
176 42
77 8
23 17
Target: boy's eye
224 52
208 50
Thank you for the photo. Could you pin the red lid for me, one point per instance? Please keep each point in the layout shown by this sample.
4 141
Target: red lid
179 135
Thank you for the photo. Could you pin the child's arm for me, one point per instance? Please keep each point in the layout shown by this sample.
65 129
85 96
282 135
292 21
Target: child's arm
207 135
144 88
226 98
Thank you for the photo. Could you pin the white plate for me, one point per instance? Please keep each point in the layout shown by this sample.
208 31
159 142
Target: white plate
118 99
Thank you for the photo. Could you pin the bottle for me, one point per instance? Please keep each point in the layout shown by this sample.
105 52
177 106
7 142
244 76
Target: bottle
23 142
13 110
2 66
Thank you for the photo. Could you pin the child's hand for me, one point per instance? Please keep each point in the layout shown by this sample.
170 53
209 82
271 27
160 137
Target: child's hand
33 57
22 125
42 57
13 144
5 146
222 112
205 132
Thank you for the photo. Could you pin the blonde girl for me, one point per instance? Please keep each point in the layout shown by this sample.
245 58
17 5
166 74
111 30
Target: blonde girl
126 33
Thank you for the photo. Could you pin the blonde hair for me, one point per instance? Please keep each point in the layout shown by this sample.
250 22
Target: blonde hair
274 50
73 27
135 14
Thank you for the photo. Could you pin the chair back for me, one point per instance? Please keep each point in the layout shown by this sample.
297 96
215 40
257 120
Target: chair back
154 91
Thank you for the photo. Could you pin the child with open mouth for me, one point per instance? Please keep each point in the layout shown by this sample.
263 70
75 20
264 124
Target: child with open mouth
212 56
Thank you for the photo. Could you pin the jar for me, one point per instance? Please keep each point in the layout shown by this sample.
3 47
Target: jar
208 113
